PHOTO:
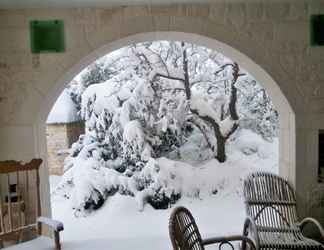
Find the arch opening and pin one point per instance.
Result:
(286, 114)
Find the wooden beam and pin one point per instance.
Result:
(15, 166)
(17, 230)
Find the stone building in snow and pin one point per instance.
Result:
(63, 128)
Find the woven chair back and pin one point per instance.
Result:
(270, 200)
(184, 233)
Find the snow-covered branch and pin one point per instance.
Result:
(146, 103)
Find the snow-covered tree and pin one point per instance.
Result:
(256, 109)
(145, 102)
(197, 72)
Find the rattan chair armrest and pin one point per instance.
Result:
(228, 239)
(213, 240)
(249, 224)
(313, 221)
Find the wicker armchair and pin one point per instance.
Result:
(272, 215)
(184, 233)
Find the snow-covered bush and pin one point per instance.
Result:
(250, 143)
(257, 111)
(123, 125)
(150, 106)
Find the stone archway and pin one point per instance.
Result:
(286, 113)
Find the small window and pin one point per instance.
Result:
(317, 30)
(321, 156)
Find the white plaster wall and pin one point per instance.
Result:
(271, 41)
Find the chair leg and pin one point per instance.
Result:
(57, 240)
(20, 237)
(245, 233)
(243, 245)
(1, 244)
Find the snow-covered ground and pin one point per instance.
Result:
(120, 225)
(151, 137)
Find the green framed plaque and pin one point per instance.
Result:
(47, 36)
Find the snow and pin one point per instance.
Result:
(133, 121)
(119, 224)
(143, 149)
(64, 110)
(102, 94)
(201, 104)
(226, 125)
(54, 224)
(133, 132)
(249, 143)
(45, 243)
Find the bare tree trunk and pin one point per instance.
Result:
(186, 73)
(221, 154)
(221, 139)
(233, 98)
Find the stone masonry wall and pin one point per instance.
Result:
(57, 145)
(60, 137)
(73, 131)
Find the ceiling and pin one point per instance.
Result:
(20, 4)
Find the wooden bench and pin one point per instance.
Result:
(23, 213)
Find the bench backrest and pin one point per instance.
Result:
(270, 200)
(19, 197)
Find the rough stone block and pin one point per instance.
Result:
(236, 15)
(187, 24)
(14, 39)
(294, 32)
(161, 23)
(217, 13)
(168, 10)
(298, 12)
(315, 7)
(15, 19)
(255, 11)
(17, 142)
(276, 10)
(137, 25)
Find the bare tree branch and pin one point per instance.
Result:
(161, 60)
(214, 125)
(233, 97)
(233, 129)
(222, 68)
(173, 89)
(185, 71)
(168, 77)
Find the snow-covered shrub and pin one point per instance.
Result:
(153, 101)
(195, 149)
(257, 111)
(115, 154)
(248, 142)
